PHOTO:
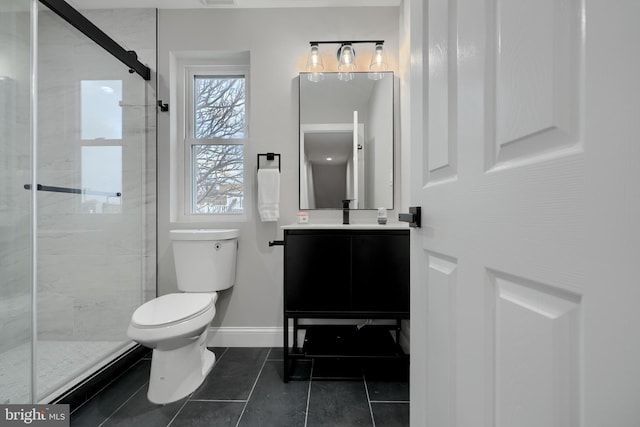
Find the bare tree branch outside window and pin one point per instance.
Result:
(218, 167)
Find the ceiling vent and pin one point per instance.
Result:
(219, 3)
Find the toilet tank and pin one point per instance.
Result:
(205, 259)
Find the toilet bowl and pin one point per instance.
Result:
(175, 325)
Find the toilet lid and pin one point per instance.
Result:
(172, 308)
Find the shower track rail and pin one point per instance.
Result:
(40, 187)
(89, 29)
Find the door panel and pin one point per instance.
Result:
(534, 80)
(441, 145)
(441, 299)
(537, 353)
(317, 272)
(380, 273)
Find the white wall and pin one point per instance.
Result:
(278, 41)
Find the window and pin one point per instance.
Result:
(101, 175)
(216, 131)
(101, 151)
(101, 113)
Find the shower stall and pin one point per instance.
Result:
(77, 194)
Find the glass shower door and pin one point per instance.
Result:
(77, 203)
(91, 150)
(15, 203)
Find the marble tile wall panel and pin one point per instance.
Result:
(93, 268)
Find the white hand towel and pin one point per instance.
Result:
(269, 194)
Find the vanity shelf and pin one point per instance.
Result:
(349, 341)
(345, 273)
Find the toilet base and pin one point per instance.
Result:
(177, 373)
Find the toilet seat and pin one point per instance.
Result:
(171, 309)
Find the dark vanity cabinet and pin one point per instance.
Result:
(345, 273)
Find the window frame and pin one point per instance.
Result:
(189, 140)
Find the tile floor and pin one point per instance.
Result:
(245, 388)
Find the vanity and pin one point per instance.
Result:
(346, 286)
(345, 272)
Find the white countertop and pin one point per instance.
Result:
(312, 226)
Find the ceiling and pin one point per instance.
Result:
(195, 4)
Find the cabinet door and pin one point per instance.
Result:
(381, 272)
(317, 272)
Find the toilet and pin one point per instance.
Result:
(175, 325)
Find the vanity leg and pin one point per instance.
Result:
(295, 334)
(285, 349)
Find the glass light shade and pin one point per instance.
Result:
(378, 59)
(314, 62)
(346, 58)
(345, 77)
(315, 77)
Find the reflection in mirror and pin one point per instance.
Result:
(346, 141)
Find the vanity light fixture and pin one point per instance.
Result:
(346, 56)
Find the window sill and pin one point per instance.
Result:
(211, 219)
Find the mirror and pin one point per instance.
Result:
(346, 140)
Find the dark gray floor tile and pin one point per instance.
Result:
(391, 369)
(138, 411)
(218, 351)
(233, 375)
(338, 404)
(387, 379)
(299, 369)
(337, 368)
(274, 403)
(391, 414)
(98, 409)
(276, 353)
(393, 391)
(208, 414)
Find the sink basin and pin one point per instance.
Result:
(311, 226)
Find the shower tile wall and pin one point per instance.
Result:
(89, 269)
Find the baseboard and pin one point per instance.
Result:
(267, 336)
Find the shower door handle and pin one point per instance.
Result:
(41, 187)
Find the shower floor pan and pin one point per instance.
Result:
(58, 362)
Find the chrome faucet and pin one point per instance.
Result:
(345, 211)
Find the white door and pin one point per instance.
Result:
(525, 143)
